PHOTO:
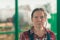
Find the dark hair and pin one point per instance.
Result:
(38, 9)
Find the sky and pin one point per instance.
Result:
(11, 3)
(7, 4)
(41, 2)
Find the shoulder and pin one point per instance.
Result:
(52, 35)
(24, 34)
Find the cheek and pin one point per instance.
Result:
(34, 20)
(43, 20)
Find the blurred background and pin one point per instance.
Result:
(7, 11)
(25, 8)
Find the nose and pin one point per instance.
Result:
(39, 19)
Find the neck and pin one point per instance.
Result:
(39, 31)
(39, 27)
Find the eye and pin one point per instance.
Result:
(41, 17)
(35, 17)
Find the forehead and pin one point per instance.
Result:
(38, 13)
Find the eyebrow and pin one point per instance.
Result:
(39, 16)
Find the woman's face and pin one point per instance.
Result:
(38, 18)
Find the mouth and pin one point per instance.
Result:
(39, 23)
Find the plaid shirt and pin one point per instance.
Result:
(25, 36)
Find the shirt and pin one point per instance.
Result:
(25, 35)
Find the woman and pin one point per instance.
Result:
(38, 31)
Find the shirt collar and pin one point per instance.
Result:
(32, 31)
